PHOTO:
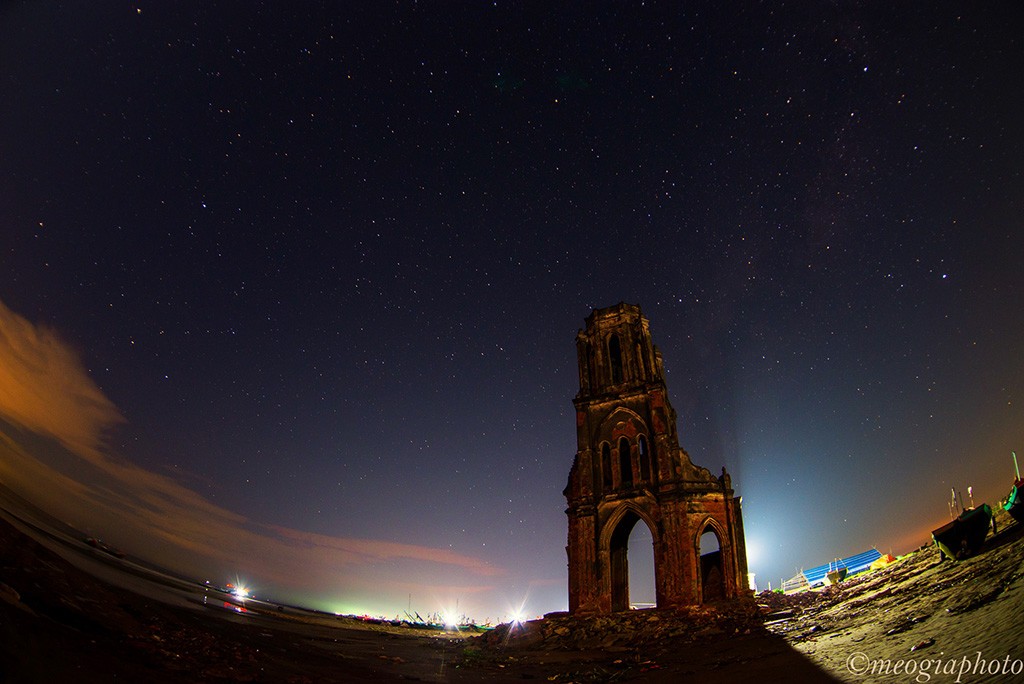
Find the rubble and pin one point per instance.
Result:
(629, 630)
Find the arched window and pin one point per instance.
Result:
(615, 358)
(606, 466)
(645, 460)
(625, 463)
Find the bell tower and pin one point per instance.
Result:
(629, 468)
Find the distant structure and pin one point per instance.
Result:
(822, 574)
(629, 468)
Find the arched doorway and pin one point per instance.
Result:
(712, 576)
(619, 554)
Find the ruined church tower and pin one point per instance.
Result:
(629, 468)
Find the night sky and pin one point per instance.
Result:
(289, 291)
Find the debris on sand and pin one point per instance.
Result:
(630, 629)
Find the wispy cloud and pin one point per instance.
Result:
(44, 388)
(361, 549)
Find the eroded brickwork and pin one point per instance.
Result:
(630, 468)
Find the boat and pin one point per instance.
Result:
(836, 572)
(836, 576)
(964, 535)
(1014, 503)
(105, 547)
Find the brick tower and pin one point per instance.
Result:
(630, 468)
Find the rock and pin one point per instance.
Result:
(922, 644)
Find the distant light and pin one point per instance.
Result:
(518, 613)
(753, 552)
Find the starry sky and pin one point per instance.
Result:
(289, 291)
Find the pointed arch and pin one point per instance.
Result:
(711, 565)
(620, 421)
(626, 508)
(706, 522)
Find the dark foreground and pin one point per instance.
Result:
(60, 623)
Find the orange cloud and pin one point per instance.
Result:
(44, 389)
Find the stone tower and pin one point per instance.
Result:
(630, 468)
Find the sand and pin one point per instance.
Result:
(103, 619)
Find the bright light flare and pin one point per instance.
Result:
(238, 589)
(518, 613)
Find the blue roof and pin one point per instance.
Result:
(853, 564)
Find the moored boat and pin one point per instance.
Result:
(835, 576)
(1014, 503)
(964, 535)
